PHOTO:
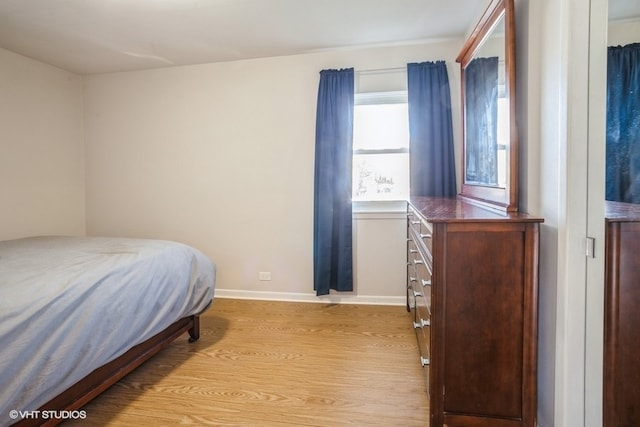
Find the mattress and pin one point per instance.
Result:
(71, 304)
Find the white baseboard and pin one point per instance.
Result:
(342, 298)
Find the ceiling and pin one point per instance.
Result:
(98, 36)
(624, 9)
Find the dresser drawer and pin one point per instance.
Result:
(412, 250)
(424, 344)
(423, 305)
(418, 251)
(413, 290)
(422, 327)
(419, 269)
(419, 229)
(422, 312)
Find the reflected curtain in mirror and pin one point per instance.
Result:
(623, 124)
(481, 127)
(432, 159)
(332, 230)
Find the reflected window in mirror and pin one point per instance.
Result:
(486, 113)
(489, 126)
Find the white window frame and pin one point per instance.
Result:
(380, 206)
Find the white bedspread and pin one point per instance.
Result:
(69, 305)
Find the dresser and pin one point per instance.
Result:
(622, 315)
(472, 287)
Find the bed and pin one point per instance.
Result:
(77, 314)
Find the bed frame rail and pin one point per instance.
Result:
(105, 376)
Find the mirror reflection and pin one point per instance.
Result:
(487, 112)
(623, 103)
(490, 137)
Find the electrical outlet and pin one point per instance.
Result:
(264, 275)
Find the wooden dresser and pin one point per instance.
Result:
(622, 315)
(472, 288)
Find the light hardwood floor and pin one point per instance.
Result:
(261, 363)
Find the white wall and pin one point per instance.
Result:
(539, 191)
(552, 94)
(380, 260)
(41, 166)
(220, 156)
(623, 32)
(558, 87)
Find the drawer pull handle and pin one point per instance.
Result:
(421, 324)
(417, 293)
(413, 251)
(415, 222)
(425, 236)
(424, 361)
(417, 261)
(412, 279)
(426, 282)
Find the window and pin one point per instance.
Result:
(503, 138)
(381, 146)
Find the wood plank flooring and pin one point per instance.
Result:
(265, 363)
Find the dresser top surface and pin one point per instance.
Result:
(439, 209)
(621, 212)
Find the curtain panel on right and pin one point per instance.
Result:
(623, 124)
(432, 159)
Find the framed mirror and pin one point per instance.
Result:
(490, 136)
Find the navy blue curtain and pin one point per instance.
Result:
(332, 230)
(623, 124)
(432, 159)
(481, 127)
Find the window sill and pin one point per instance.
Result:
(379, 209)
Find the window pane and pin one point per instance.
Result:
(381, 126)
(503, 140)
(381, 176)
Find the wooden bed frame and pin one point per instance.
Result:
(105, 376)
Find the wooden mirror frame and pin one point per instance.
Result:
(503, 199)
